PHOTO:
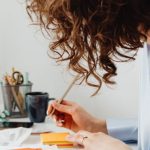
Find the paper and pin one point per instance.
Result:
(14, 137)
(47, 126)
(39, 147)
(58, 139)
(31, 147)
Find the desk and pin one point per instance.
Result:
(35, 139)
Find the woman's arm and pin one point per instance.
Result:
(70, 115)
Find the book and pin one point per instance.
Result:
(58, 139)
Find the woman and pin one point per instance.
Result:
(92, 35)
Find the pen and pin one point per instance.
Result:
(16, 98)
(66, 92)
(26, 79)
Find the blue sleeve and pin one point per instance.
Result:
(123, 129)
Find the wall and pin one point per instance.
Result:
(22, 46)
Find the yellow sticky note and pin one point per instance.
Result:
(55, 139)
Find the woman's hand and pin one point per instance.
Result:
(72, 116)
(94, 141)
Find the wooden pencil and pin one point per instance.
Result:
(66, 92)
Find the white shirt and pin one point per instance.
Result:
(130, 130)
(144, 104)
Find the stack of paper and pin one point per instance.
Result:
(58, 139)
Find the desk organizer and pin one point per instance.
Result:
(14, 99)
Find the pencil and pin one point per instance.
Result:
(66, 92)
(16, 98)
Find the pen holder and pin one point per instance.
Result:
(14, 99)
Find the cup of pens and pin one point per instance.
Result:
(14, 99)
(13, 91)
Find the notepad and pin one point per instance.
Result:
(56, 139)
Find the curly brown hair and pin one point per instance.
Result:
(93, 34)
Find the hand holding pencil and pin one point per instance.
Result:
(71, 115)
(51, 110)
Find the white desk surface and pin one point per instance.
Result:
(35, 139)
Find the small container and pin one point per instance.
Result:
(36, 104)
(14, 99)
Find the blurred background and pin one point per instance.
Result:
(23, 46)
